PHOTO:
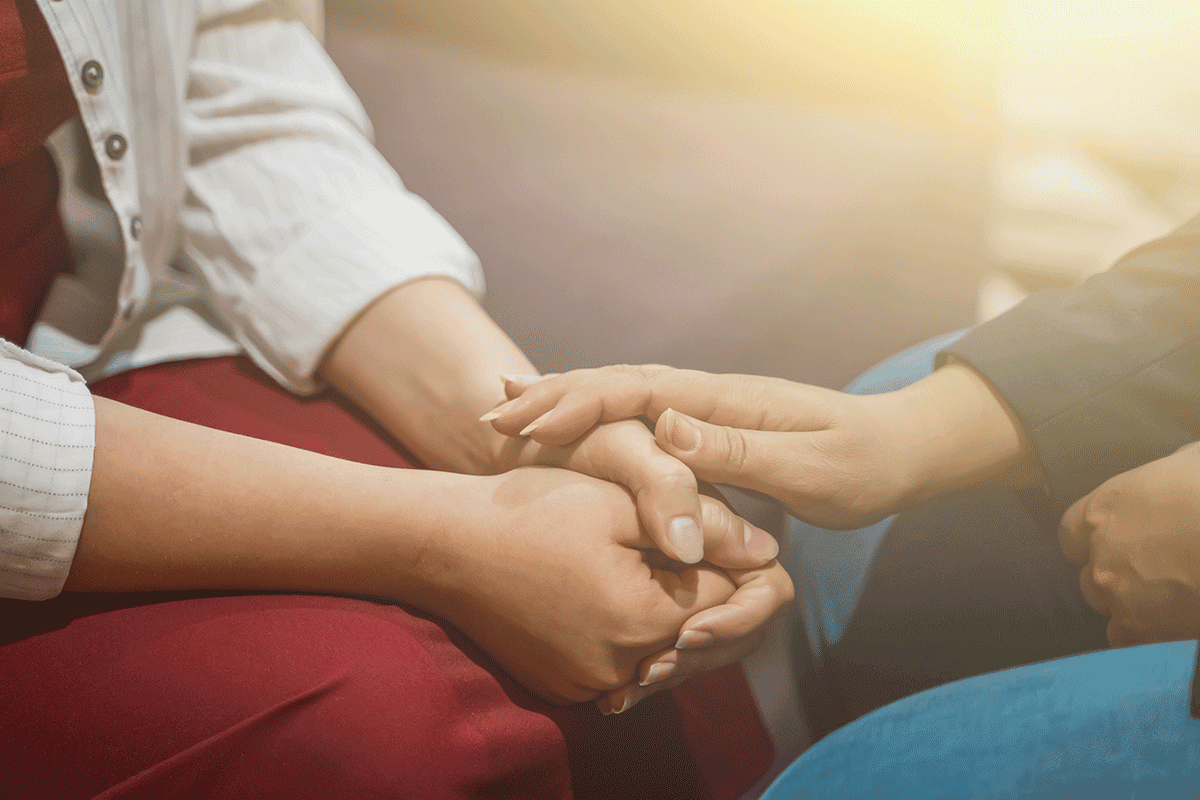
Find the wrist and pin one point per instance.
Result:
(423, 564)
(959, 434)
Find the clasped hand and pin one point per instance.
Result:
(551, 574)
(1137, 539)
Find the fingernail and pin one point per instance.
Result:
(533, 425)
(521, 380)
(689, 639)
(626, 704)
(658, 672)
(497, 411)
(687, 538)
(760, 545)
(680, 432)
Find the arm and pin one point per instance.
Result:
(1068, 389)
(1106, 376)
(307, 238)
(178, 506)
(834, 459)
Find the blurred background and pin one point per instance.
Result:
(774, 186)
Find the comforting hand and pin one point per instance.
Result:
(552, 575)
(665, 490)
(1137, 537)
(812, 449)
(834, 459)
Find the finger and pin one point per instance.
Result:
(1124, 631)
(760, 594)
(731, 542)
(751, 459)
(681, 523)
(664, 490)
(747, 401)
(1074, 532)
(685, 592)
(1095, 594)
(1158, 612)
(574, 415)
(673, 667)
(620, 393)
(514, 385)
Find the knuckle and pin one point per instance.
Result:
(718, 520)
(671, 474)
(737, 451)
(1096, 515)
(1103, 577)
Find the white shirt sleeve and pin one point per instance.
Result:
(47, 436)
(292, 217)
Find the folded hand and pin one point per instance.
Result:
(555, 579)
(1137, 538)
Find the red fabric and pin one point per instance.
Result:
(149, 696)
(35, 98)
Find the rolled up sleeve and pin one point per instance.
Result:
(47, 438)
(292, 217)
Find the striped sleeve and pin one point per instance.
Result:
(293, 218)
(47, 436)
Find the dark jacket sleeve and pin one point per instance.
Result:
(1105, 376)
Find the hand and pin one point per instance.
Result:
(550, 573)
(1137, 537)
(834, 459)
(670, 510)
(664, 489)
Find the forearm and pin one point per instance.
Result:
(959, 435)
(425, 362)
(178, 506)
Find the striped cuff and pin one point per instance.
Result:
(47, 437)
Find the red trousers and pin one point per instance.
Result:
(284, 696)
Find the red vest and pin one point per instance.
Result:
(35, 98)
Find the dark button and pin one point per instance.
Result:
(127, 312)
(116, 146)
(92, 74)
(135, 227)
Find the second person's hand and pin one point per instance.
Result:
(833, 459)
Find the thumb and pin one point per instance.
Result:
(720, 454)
(1074, 533)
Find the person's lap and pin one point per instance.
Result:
(1111, 724)
(306, 696)
(957, 587)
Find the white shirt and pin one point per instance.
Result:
(221, 195)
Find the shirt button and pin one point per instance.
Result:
(115, 146)
(92, 75)
(135, 227)
(127, 312)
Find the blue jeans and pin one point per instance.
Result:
(1103, 725)
(833, 565)
(959, 588)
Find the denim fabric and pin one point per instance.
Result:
(1111, 724)
(832, 566)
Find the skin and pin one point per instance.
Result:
(179, 506)
(836, 460)
(1136, 538)
(843, 461)
(174, 506)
